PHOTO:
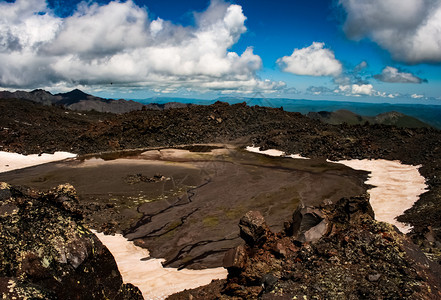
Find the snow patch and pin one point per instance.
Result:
(148, 274)
(13, 161)
(273, 152)
(396, 187)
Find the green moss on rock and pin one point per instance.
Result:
(47, 253)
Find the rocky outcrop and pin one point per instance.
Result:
(309, 224)
(253, 228)
(46, 252)
(336, 251)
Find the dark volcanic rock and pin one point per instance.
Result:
(253, 228)
(46, 253)
(309, 224)
(211, 291)
(358, 258)
(235, 258)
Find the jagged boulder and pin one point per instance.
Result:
(47, 253)
(253, 229)
(309, 224)
(235, 258)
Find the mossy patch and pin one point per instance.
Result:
(171, 229)
(211, 221)
(235, 212)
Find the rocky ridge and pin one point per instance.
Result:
(47, 253)
(78, 100)
(345, 116)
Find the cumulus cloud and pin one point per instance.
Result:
(410, 29)
(314, 60)
(357, 89)
(353, 82)
(391, 74)
(362, 89)
(117, 43)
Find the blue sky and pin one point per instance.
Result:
(370, 51)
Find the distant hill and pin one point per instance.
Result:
(39, 96)
(389, 118)
(78, 100)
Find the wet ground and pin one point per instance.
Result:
(184, 204)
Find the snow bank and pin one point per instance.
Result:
(273, 152)
(12, 161)
(148, 274)
(396, 187)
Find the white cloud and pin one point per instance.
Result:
(96, 30)
(156, 26)
(391, 74)
(409, 29)
(117, 43)
(416, 96)
(362, 89)
(313, 60)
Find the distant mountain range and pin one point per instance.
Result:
(428, 114)
(78, 100)
(332, 112)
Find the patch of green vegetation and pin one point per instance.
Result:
(170, 162)
(235, 212)
(174, 225)
(187, 259)
(211, 221)
(172, 228)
